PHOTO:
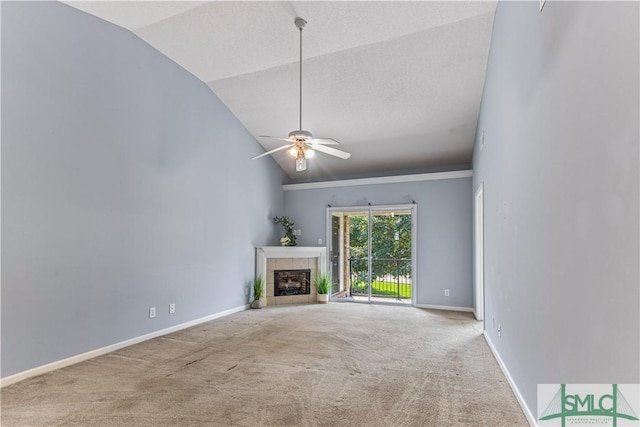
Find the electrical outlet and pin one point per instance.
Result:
(319, 241)
(482, 140)
(152, 312)
(172, 308)
(493, 322)
(446, 292)
(499, 331)
(246, 290)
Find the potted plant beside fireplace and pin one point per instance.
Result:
(323, 285)
(258, 288)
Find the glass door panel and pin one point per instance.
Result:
(390, 256)
(358, 248)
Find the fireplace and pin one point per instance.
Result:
(291, 282)
(270, 259)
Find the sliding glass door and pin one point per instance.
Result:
(378, 247)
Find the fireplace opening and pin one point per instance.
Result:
(291, 282)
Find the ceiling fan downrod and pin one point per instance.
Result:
(300, 23)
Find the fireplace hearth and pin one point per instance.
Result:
(291, 282)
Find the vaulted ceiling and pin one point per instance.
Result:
(398, 84)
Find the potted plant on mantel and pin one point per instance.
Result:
(323, 285)
(258, 288)
(289, 238)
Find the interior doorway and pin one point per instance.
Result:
(373, 254)
(478, 238)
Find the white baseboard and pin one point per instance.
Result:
(527, 412)
(39, 370)
(445, 307)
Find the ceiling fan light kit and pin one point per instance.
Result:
(293, 152)
(302, 145)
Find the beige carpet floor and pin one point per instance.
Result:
(338, 364)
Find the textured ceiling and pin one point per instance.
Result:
(397, 83)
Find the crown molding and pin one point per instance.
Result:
(380, 180)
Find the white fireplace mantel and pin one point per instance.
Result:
(266, 252)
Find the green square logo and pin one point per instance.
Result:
(616, 405)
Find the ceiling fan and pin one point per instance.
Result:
(302, 145)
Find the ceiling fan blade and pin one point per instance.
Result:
(332, 151)
(275, 137)
(272, 151)
(323, 141)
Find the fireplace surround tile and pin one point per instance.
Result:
(288, 299)
(300, 263)
(284, 263)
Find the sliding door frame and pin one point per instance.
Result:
(370, 209)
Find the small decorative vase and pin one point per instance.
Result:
(256, 304)
(323, 298)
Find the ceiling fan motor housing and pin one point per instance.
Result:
(300, 135)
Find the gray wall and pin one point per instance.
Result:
(126, 184)
(560, 172)
(444, 229)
